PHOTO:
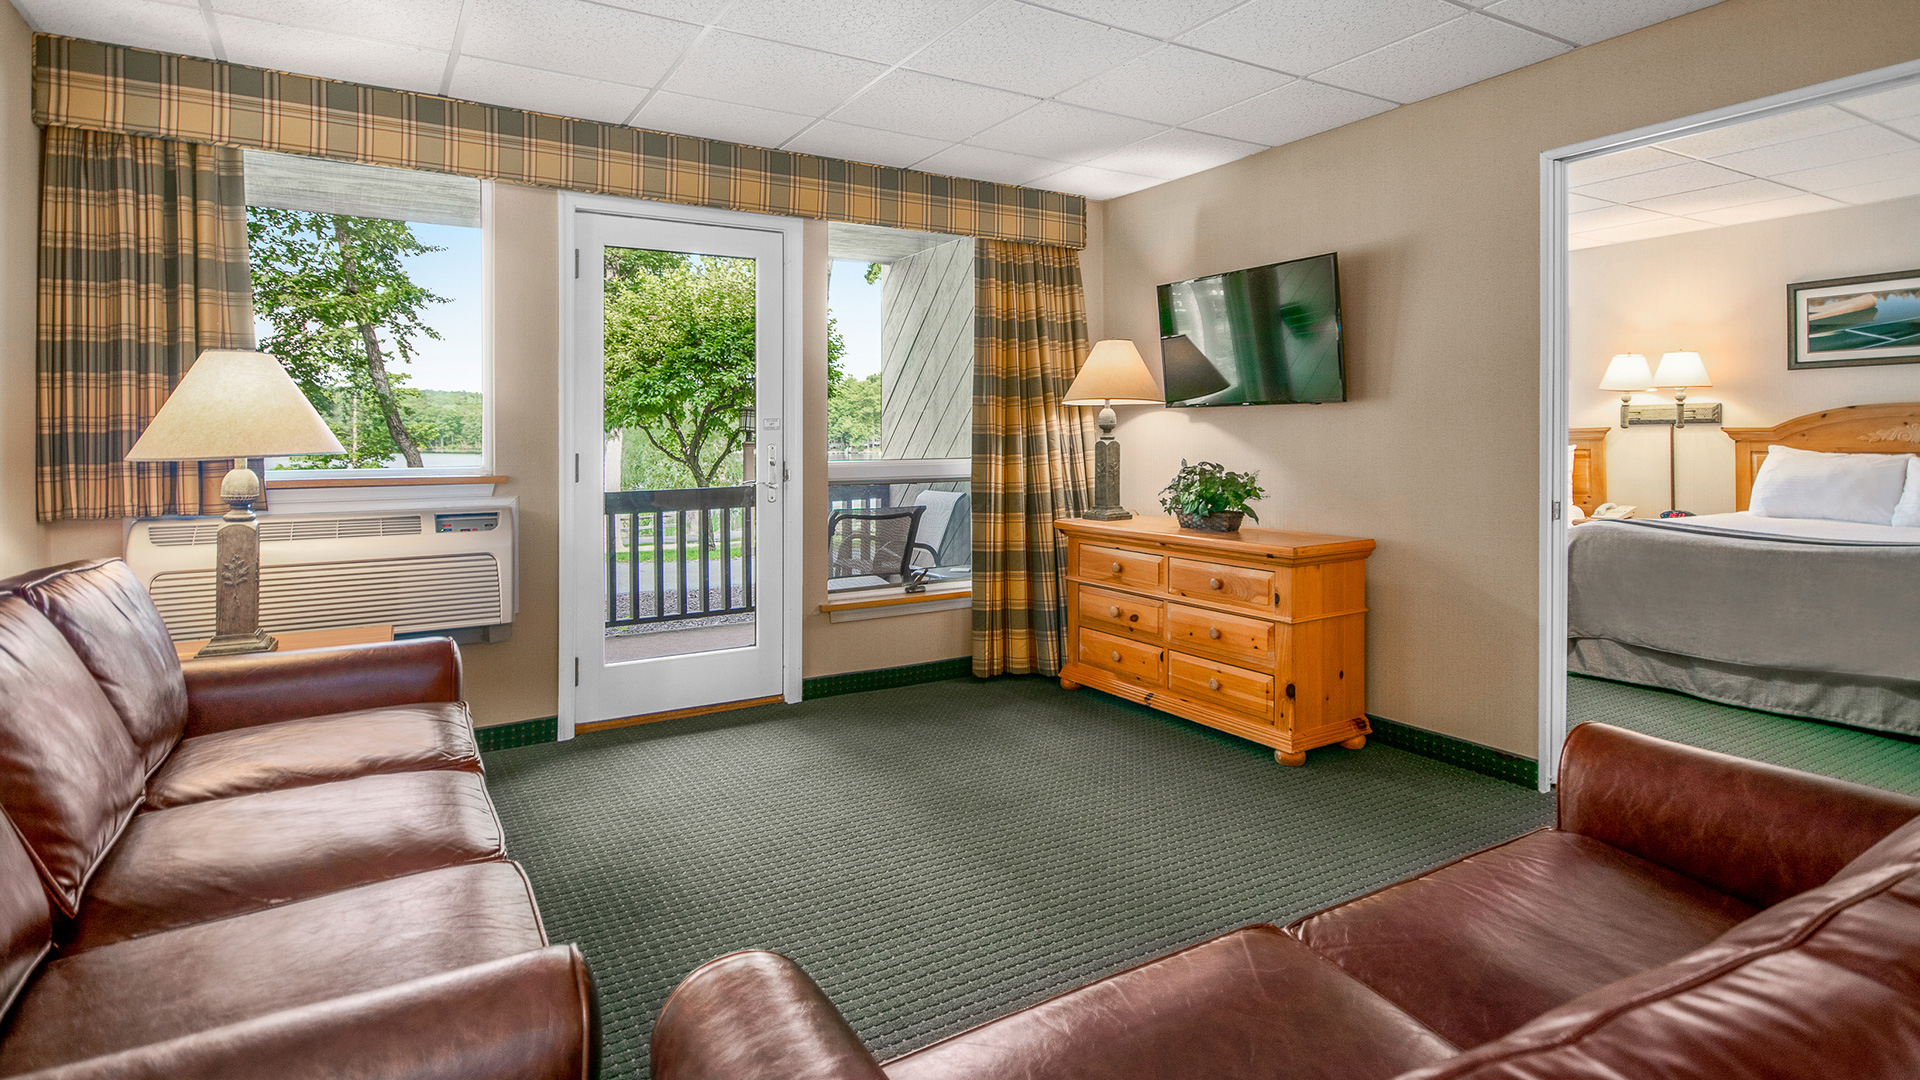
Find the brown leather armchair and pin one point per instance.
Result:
(1690, 915)
(280, 865)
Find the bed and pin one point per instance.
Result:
(1799, 616)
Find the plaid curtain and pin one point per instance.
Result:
(143, 263)
(1031, 455)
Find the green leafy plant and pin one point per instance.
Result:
(1208, 488)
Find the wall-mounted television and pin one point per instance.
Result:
(1267, 335)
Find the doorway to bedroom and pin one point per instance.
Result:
(1714, 288)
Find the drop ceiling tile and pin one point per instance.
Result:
(1854, 173)
(576, 38)
(723, 120)
(886, 32)
(1303, 38)
(1881, 191)
(494, 83)
(1763, 132)
(1647, 230)
(768, 74)
(1581, 203)
(1766, 211)
(1624, 163)
(1848, 144)
(1585, 21)
(1155, 18)
(1909, 125)
(980, 163)
(1172, 85)
(1719, 198)
(331, 56)
(169, 28)
(928, 105)
(1028, 50)
(1294, 111)
(1064, 132)
(699, 12)
(1173, 154)
(1094, 183)
(1447, 57)
(427, 24)
(871, 145)
(1608, 217)
(1895, 104)
(1688, 176)
(1577, 243)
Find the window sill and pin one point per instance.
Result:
(280, 483)
(886, 603)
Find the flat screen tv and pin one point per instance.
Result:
(1267, 335)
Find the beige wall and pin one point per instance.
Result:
(1433, 209)
(1722, 293)
(21, 541)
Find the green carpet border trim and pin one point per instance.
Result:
(546, 729)
(854, 682)
(1485, 760)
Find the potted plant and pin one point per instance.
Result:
(1206, 496)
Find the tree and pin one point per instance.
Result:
(853, 413)
(344, 311)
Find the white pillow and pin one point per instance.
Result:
(1834, 487)
(1907, 513)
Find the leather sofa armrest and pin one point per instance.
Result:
(1755, 831)
(755, 1016)
(230, 692)
(528, 1017)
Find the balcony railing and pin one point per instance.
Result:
(678, 555)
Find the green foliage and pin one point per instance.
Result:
(446, 421)
(853, 412)
(1208, 488)
(873, 272)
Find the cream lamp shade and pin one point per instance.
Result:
(1628, 373)
(1114, 374)
(1681, 369)
(234, 403)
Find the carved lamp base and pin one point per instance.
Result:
(236, 619)
(1106, 474)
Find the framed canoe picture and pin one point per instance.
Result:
(1853, 322)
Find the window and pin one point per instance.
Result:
(367, 286)
(899, 409)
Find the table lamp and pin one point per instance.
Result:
(237, 404)
(1114, 374)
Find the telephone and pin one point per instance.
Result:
(1612, 510)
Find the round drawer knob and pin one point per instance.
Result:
(1213, 684)
(1114, 611)
(1213, 583)
(1116, 568)
(1213, 632)
(1116, 658)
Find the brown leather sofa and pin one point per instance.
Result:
(279, 865)
(1691, 915)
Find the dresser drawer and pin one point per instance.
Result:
(1222, 684)
(1119, 566)
(1120, 613)
(1221, 583)
(1140, 660)
(1217, 631)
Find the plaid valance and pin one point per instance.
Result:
(84, 84)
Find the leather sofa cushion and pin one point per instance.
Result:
(69, 775)
(110, 621)
(1250, 1004)
(26, 920)
(1481, 945)
(292, 753)
(211, 860)
(201, 977)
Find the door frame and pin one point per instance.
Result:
(1556, 358)
(792, 533)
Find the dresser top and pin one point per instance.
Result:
(1165, 531)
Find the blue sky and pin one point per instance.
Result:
(856, 306)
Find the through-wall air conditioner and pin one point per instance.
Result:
(442, 568)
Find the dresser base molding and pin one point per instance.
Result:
(1290, 748)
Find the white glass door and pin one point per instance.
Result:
(676, 567)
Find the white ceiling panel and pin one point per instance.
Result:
(543, 91)
(700, 12)
(1173, 85)
(1625, 163)
(1584, 22)
(291, 48)
(1854, 173)
(1294, 111)
(1908, 126)
(1608, 217)
(1449, 56)
(769, 75)
(1173, 154)
(1718, 198)
(1688, 176)
(1303, 38)
(1065, 132)
(1577, 203)
(1898, 188)
(1847, 144)
(1765, 211)
(1786, 127)
(1154, 18)
(916, 103)
(666, 111)
(981, 163)
(1028, 50)
(829, 138)
(576, 38)
(1647, 230)
(1893, 104)
(167, 27)
(427, 24)
(887, 32)
(1096, 183)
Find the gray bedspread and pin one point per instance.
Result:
(1647, 597)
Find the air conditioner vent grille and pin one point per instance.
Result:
(184, 533)
(410, 594)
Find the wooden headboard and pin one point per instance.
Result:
(1857, 429)
(1589, 466)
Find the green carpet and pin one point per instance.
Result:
(1885, 761)
(937, 855)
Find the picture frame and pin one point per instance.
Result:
(1854, 321)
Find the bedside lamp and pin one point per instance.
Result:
(1114, 374)
(1627, 374)
(1680, 371)
(235, 404)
